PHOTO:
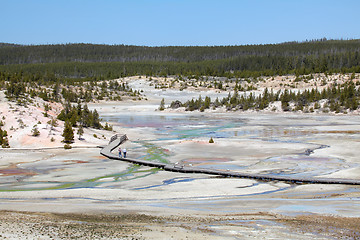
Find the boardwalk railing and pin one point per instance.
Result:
(118, 139)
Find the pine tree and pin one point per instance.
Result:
(80, 131)
(285, 99)
(207, 102)
(68, 133)
(35, 131)
(86, 117)
(95, 120)
(4, 142)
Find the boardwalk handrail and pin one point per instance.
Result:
(118, 139)
(116, 136)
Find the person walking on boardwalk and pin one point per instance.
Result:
(124, 151)
(120, 152)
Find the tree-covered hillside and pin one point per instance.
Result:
(24, 54)
(109, 61)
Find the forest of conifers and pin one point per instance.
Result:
(67, 73)
(113, 61)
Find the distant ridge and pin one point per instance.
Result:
(85, 52)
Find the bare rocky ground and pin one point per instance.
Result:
(33, 225)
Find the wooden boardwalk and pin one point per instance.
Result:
(117, 140)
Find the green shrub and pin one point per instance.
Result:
(35, 131)
(67, 146)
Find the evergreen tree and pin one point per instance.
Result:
(86, 117)
(95, 123)
(35, 131)
(4, 142)
(68, 133)
(80, 131)
(207, 102)
(285, 99)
